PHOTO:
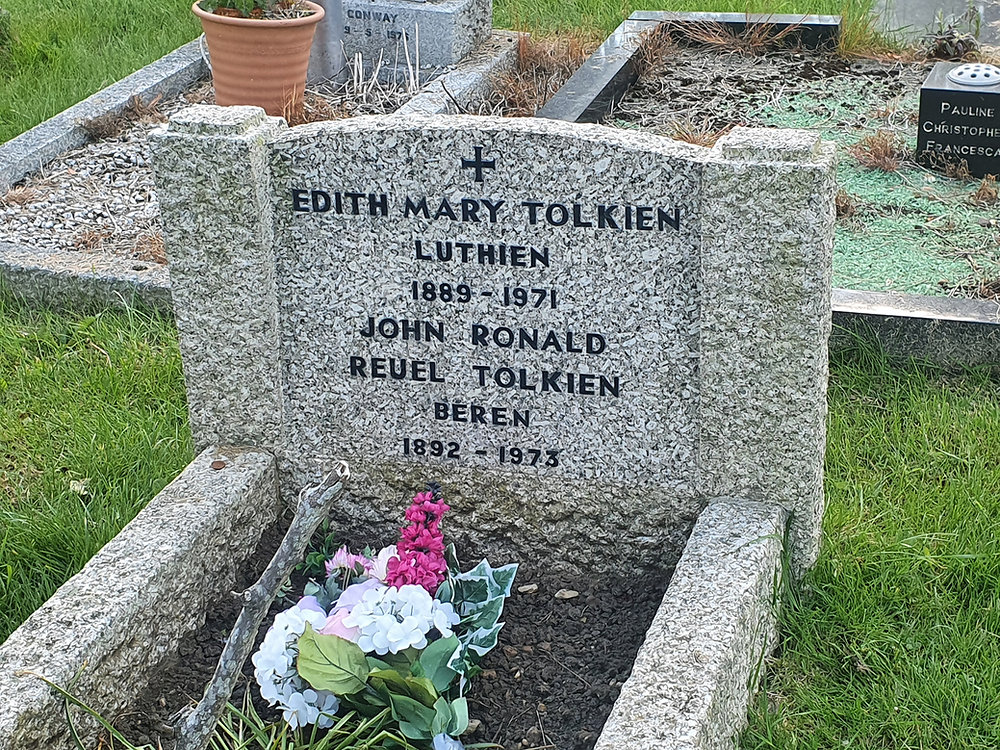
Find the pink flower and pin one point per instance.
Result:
(335, 626)
(344, 560)
(420, 558)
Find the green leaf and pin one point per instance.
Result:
(460, 714)
(406, 709)
(413, 731)
(451, 557)
(487, 614)
(445, 592)
(329, 662)
(417, 669)
(470, 594)
(392, 679)
(421, 689)
(442, 717)
(435, 662)
(312, 588)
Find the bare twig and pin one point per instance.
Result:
(314, 506)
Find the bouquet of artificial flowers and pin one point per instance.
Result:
(403, 629)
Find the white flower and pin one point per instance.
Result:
(393, 620)
(381, 562)
(280, 683)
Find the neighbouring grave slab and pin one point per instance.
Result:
(586, 334)
(960, 120)
(435, 33)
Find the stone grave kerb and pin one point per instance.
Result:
(266, 297)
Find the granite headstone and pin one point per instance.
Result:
(585, 334)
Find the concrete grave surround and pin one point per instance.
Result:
(116, 621)
(711, 380)
(447, 30)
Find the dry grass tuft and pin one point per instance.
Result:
(19, 196)
(754, 39)
(847, 205)
(90, 240)
(655, 46)
(150, 247)
(113, 124)
(697, 134)
(316, 108)
(882, 150)
(986, 193)
(543, 65)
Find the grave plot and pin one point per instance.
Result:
(608, 347)
(902, 227)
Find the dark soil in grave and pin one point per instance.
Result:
(550, 683)
(909, 228)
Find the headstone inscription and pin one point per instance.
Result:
(434, 33)
(586, 334)
(960, 118)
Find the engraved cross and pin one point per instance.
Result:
(479, 164)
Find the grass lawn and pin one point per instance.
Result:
(894, 641)
(92, 424)
(63, 51)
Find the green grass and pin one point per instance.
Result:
(894, 640)
(605, 15)
(92, 424)
(63, 51)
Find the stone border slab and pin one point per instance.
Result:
(944, 331)
(693, 676)
(131, 605)
(459, 88)
(610, 72)
(79, 281)
(35, 148)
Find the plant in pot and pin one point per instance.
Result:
(259, 50)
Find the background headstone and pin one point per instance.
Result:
(326, 61)
(958, 122)
(585, 334)
(434, 34)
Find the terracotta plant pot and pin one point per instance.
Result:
(261, 62)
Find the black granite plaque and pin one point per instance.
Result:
(959, 123)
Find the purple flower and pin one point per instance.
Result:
(353, 593)
(311, 603)
(344, 560)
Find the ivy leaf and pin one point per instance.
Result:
(483, 640)
(503, 577)
(445, 592)
(487, 614)
(329, 662)
(451, 557)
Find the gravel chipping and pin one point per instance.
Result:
(100, 198)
